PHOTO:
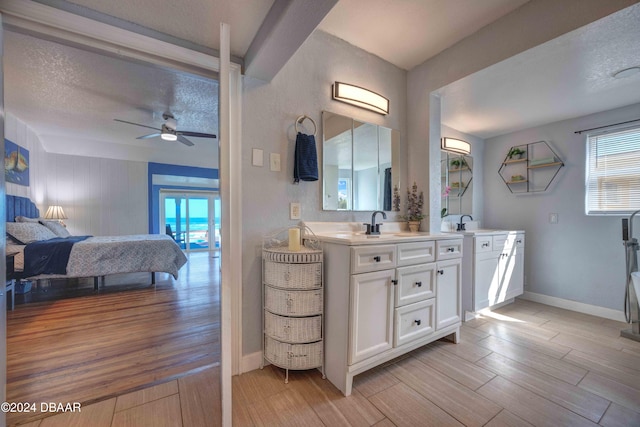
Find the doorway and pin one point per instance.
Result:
(192, 218)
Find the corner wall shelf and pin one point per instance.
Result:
(531, 169)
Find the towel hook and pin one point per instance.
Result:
(300, 119)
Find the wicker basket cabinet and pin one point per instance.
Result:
(293, 308)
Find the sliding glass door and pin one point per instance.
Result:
(192, 218)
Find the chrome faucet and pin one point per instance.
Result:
(462, 224)
(373, 228)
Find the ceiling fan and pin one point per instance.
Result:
(168, 131)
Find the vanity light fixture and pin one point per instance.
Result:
(360, 97)
(455, 145)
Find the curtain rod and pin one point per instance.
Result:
(608, 126)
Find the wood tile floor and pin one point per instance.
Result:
(189, 401)
(524, 364)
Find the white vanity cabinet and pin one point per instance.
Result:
(494, 273)
(385, 299)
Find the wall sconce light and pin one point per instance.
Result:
(55, 212)
(360, 97)
(455, 145)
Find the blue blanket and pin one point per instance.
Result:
(49, 256)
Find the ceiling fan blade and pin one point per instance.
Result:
(135, 124)
(196, 134)
(184, 140)
(151, 135)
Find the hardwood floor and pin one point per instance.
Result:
(524, 364)
(97, 346)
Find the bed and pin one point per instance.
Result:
(91, 257)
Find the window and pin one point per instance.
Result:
(613, 172)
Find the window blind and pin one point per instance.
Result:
(613, 173)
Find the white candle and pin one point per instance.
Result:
(294, 239)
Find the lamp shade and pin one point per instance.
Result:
(55, 212)
(361, 97)
(455, 145)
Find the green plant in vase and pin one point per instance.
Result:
(516, 153)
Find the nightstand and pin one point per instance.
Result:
(11, 281)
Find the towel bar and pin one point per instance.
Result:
(300, 119)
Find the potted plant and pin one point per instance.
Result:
(458, 163)
(415, 203)
(516, 153)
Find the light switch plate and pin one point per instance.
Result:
(294, 210)
(553, 218)
(257, 157)
(274, 162)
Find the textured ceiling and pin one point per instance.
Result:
(67, 95)
(407, 33)
(197, 21)
(570, 76)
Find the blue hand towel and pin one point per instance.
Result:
(306, 159)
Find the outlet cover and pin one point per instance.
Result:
(294, 210)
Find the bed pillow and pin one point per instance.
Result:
(27, 232)
(58, 229)
(25, 219)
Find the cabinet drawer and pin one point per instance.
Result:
(416, 253)
(293, 276)
(483, 244)
(448, 249)
(413, 321)
(415, 283)
(508, 241)
(293, 303)
(293, 329)
(372, 258)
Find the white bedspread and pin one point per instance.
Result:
(104, 255)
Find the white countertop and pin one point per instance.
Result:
(347, 233)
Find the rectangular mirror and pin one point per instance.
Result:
(457, 180)
(360, 164)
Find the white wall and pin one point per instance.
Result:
(303, 86)
(536, 22)
(100, 196)
(581, 258)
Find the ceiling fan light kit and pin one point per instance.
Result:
(168, 134)
(169, 131)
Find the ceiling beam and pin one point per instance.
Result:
(285, 28)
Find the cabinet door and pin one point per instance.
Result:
(371, 314)
(448, 301)
(514, 273)
(485, 279)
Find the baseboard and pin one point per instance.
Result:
(250, 362)
(580, 307)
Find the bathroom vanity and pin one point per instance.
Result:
(386, 295)
(493, 270)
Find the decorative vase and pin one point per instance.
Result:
(414, 226)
